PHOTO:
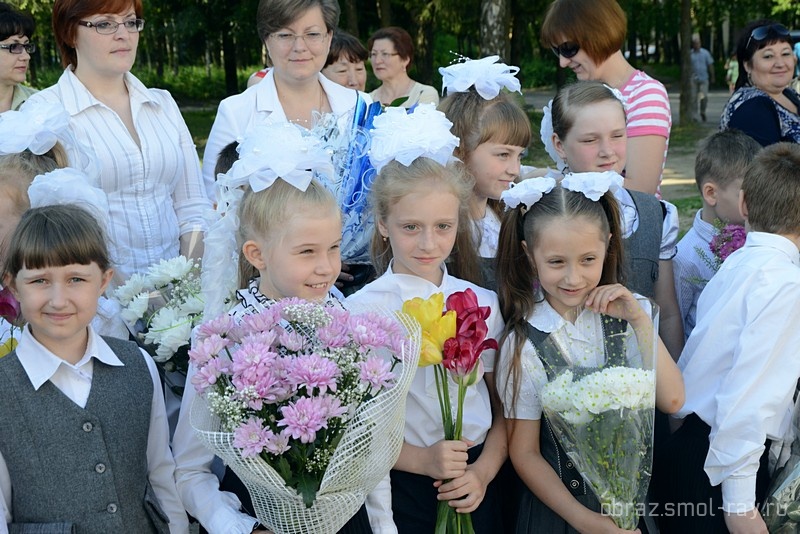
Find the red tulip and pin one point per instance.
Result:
(9, 307)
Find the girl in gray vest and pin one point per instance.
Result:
(84, 446)
(584, 130)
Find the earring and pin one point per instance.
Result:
(385, 238)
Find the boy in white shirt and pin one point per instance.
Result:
(740, 363)
(719, 168)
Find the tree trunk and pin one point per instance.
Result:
(385, 12)
(494, 28)
(424, 44)
(229, 62)
(352, 17)
(686, 63)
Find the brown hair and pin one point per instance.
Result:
(227, 157)
(575, 96)
(264, 212)
(54, 236)
(17, 171)
(13, 22)
(274, 15)
(723, 157)
(400, 38)
(67, 14)
(597, 26)
(396, 181)
(345, 45)
(515, 267)
(771, 188)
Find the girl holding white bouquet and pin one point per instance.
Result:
(288, 229)
(420, 202)
(565, 238)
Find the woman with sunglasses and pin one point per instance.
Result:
(587, 36)
(135, 143)
(391, 52)
(16, 48)
(764, 106)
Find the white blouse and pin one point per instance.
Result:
(155, 191)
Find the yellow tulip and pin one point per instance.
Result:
(429, 353)
(444, 328)
(425, 311)
(11, 344)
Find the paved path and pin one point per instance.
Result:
(678, 181)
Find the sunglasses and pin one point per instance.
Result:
(566, 49)
(762, 32)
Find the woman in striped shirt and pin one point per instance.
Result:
(587, 36)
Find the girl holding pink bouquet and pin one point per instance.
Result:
(420, 202)
(494, 134)
(288, 228)
(566, 239)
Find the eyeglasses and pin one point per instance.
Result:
(566, 49)
(287, 40)
(383, 55)
(762, 32)
(17, 48)
(107, 27)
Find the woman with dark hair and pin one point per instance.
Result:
(345, 64)
(16, 30)
(143, 156)
(587, 36)
(764, 106)
(391, 53)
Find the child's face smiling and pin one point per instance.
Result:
(422, 228)
(59, 303)
(495, 166)
(597, 141)
(303, 260)
(568, 258)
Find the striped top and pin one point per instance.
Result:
(155, 192)
(648, 108)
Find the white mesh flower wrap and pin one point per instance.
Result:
(266, 153)
(35, 127)
(401, 136)
(367, 451)
(527, 192)
(593, 185)
(486, 74)
(69, 187)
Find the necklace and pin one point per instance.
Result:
(304, 117)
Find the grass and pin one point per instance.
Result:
(199, 121)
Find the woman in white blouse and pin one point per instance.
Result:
(142, 154)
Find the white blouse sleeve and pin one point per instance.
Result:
(669, 232)
(526, 404)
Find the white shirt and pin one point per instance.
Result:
(486, 234)
(155, 192)
(75, 381)
(740, 365)
(581, 343)
(258, 105)
(691, 271)
(423, 417)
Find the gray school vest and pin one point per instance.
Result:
(643, 246)
(84, 466)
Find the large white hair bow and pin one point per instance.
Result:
(527, 192)
(401, 136)
(70, 187)
(593, 185)
(486, 74)
(35, 127)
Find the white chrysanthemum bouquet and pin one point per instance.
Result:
(161, 307)
(603, 418)
(306, 402)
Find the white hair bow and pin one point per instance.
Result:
(593, 185)
(35, 127)
(486, 74)
(527, 192)
(401, 136)
(70, 187)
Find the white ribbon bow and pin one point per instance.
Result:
(35, 127)
(527, 192)
(486, 74)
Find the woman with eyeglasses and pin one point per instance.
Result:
(391, 53)
(587, 36)
(297, 35)
(142, 153)
(16, 48)
(764, 106)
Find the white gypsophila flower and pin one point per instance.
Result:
(135, 285)
(135, 308)
(527, 192)
(165, 271)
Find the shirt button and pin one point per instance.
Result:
(574, 484)
(111, 508)
(570, 465)
(87, 426)
(100, 468)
